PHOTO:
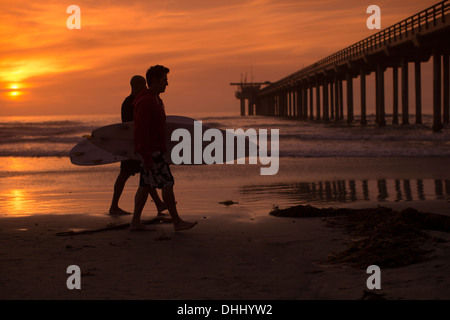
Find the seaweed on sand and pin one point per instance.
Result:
(381, 236)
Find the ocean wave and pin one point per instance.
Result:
(42, 140)
(34, 153)
(22, 133)
(364, 137)
(364, 154)
(55, 138)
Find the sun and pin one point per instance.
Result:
(13, 91)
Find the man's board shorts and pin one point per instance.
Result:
(130, 166)
(160, 175)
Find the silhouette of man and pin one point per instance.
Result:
(150, 145)
(129, 168)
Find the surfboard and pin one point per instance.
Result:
(86, 153)
(194, 142)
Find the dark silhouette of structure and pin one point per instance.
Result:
(248, 91)
(413, 40)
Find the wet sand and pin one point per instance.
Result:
(235, 252)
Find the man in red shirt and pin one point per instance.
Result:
(150, 146)
(130, 167)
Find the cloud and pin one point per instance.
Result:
(206, 43)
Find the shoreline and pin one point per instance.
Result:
(54, 186)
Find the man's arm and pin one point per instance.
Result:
(142, 133)
(127, 109)
(149, 124)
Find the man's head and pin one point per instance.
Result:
(157, 78)
(137, 84)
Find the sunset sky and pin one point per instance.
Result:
(46, 69)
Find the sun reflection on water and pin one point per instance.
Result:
(16, 203)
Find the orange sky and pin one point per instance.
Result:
(45, 68)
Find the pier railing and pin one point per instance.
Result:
(405, 28)
(397, 32)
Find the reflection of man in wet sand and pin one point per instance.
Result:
(150, 145)
(129, 168)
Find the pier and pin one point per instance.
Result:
(249, 91)
(414, 40)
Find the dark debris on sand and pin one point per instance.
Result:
(382, 236)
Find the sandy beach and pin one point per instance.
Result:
(245, 258)
(218, 260)
(235, 252)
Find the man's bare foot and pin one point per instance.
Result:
(162, 207)
(139, 227)
(184, 225)
(162, 215)
(118, 212)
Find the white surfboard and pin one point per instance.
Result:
(118, 139)
(86, 153)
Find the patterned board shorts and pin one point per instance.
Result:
(160, 175)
